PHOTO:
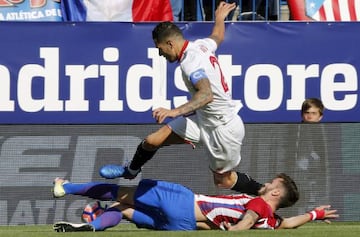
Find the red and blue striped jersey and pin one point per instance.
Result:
(231, 209)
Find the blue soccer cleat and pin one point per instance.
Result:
(116, 171)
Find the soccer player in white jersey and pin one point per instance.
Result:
(209, 117)
(162, 205)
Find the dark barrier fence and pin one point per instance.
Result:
(247, 10)
(322, 158)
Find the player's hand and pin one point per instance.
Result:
(324, 212)
(223, 9)
(227, 226)
(160, 114)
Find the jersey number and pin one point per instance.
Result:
(214, 61)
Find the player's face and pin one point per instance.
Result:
(312, 115)
(166, 50)
(268, 187)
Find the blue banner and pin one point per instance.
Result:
(103, 73)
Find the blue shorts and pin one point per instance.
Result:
(162, 205)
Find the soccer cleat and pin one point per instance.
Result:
(58, 189)
(63, 226)
(117, 171)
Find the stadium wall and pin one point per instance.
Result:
(75, 96)
(322, 158)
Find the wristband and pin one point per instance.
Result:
(317, 214)
(312, 215)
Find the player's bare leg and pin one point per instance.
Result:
(126, 195)
(225, 180)
(144, 152)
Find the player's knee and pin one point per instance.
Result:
(157, 139)
(223, 180)
(151, 143)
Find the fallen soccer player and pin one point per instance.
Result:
(162, 205)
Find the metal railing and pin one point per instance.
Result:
(247, 10)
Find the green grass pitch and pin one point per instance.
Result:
(335, 229)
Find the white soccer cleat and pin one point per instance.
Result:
(58, 189)
(63, 226)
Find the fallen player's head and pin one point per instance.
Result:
(291, 194)
(283, 189)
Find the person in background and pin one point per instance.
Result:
(312, 110)
(310, 166)
(190, 9)
(176, 6)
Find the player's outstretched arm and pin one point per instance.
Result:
(320, 213)
(221, 13)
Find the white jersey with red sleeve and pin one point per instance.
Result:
(216, 125)
(198, 61)
(231, 209)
